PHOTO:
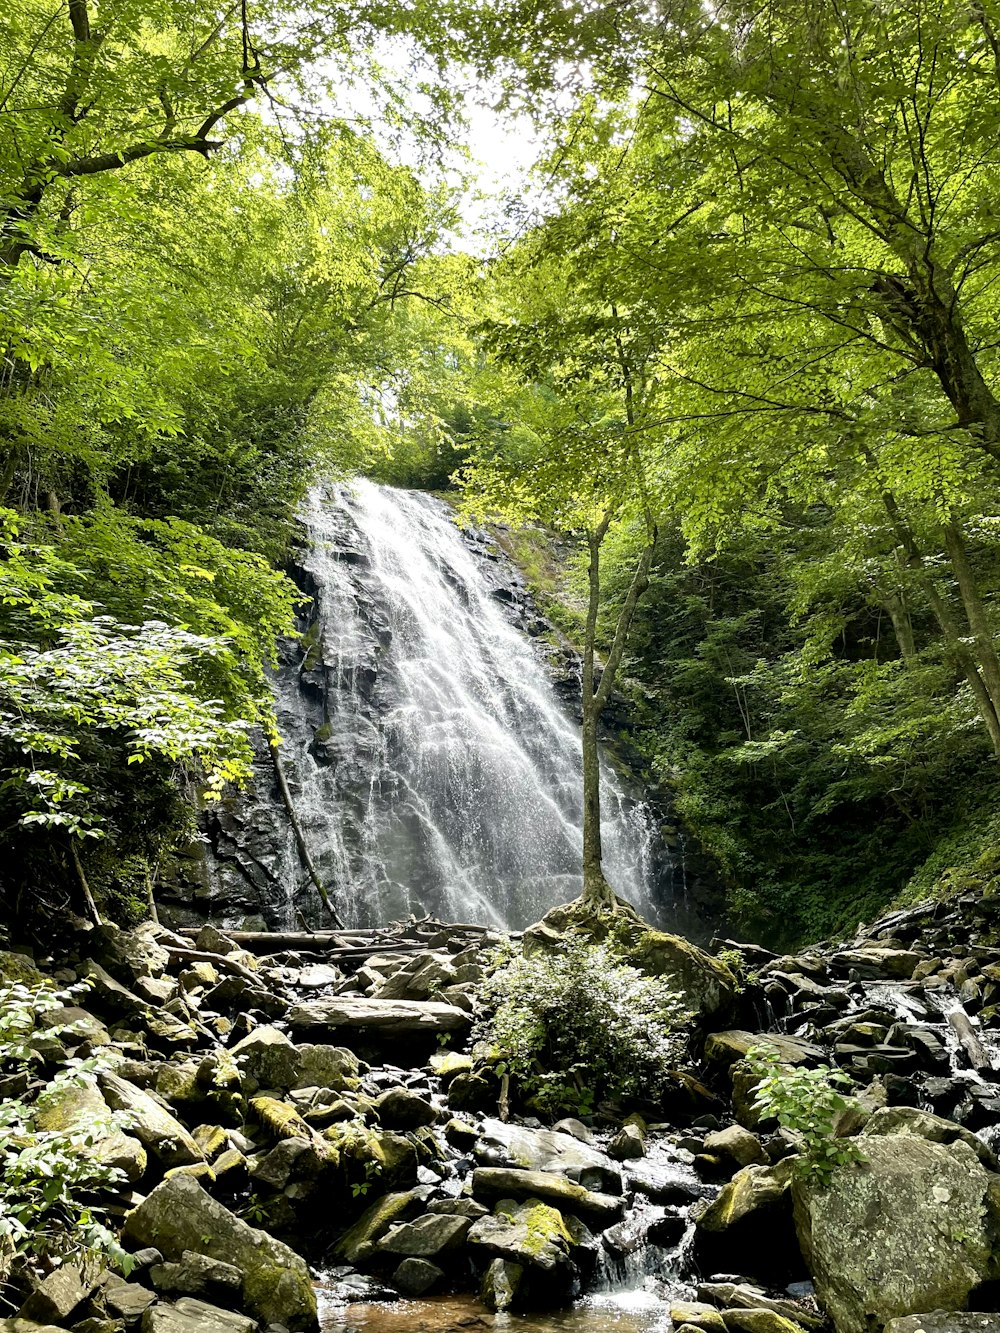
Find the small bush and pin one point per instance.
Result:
(576, 1027)
(806, 1102)
(50, 1181)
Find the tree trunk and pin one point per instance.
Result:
(300, 841)
(902, 626)
(957, 650)
(975, 611)
(596, 889)
(597, 892)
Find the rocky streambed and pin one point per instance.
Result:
(305, 1138)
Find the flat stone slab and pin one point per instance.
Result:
(509, 1183)
(391, 1018)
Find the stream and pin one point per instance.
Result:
(636, 1311)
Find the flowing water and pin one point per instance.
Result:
(439, 772)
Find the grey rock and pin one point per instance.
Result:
(738, 1144)
(179, 1216)
(399, 1108)
(530, 1233)
(197, 1275)
(932, 1256)
(627, 1144)
(192, 1316)
(128, 1300)
(357, 1244)
(502, 1182)
(390, 1018)
(501, 1283)
(154, 1127)
(267, 1059)
(427, 1237)
(55, 1299)
(416, 1276)
(79, 1107)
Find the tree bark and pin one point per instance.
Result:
(88, 897)
(597, 892)
(975, 611)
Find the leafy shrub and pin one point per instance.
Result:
(50, 1180)
(806, 1102)
(575, 1027)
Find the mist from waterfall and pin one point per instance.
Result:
(445, 776)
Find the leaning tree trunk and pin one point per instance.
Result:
(300, 839)
(597, 892)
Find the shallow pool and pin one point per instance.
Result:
(617, 1312)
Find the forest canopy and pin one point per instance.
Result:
(740, 333)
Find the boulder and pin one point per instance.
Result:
(933, 1128)
(344, 1014)
(758, 1321)
(697, 1315)
(18, 969)
(358, 1243)
(130, 954)
(85, 1027)
(732, 1045)
(903, 1231)
(529, 1233)
(704, 984)
(427, 1237)
(27, 1326)
(502, 1183)
(628, 1144)
(55, 1298)
(501, 1282)
(448, 1064)
(155, 1128)
(751, 1217)
(751, 1190)
(179, 1216)
(877, 964)
(416, 1276)
(399, 1108)
(267, 1059)
(334, 1068)
(547, 1150)
(736, 1143)
(192, 1316)
(127, 1300)
(80, 1109)
(212, 940)
(198, 1275)
(741, 1296)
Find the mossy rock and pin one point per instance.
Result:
(357, 1244)
(75, 1109)
(705, 985)
(17, 969)
(179, 1215)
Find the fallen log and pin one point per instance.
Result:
(348, 942)
(975, 1051)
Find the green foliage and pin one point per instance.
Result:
(51, 1182)
(82, 690)
(806, 1102)
(576, 1027)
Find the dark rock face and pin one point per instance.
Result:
(431, 748)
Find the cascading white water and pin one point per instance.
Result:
(445, 775)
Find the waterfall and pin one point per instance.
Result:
(433, 765)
